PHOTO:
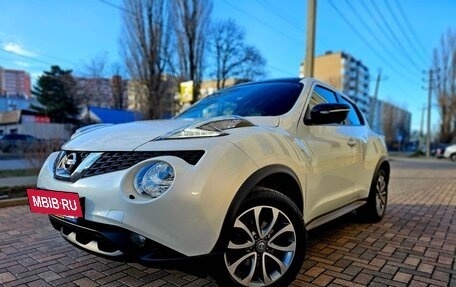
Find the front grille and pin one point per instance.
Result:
(115, 161)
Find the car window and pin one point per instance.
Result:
(328, 95)
(320, 95)
(354, 117)
(260, 99)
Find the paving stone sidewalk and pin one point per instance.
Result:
(414, 245)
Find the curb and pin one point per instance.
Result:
(13, 202)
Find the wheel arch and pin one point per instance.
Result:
(452, 156)
(278, 177)
(384, 164)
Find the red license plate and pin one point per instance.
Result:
(54, 202)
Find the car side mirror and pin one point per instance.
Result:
(328, 113)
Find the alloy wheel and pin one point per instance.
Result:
(262, 246)
(381, 194)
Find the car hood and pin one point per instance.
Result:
(129, 136)
(123, 137)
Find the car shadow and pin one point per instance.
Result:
(206, 267)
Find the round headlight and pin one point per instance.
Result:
(154, 179)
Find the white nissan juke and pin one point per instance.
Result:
(242, 175)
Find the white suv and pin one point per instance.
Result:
(242, 175)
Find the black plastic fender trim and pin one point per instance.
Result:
(243, 193)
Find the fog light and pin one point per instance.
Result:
(138, 240)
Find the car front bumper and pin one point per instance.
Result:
(112, 241)
(187, 219)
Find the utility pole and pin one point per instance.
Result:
(428, 135)
(422, 121)
(374, 99)
(310, 38)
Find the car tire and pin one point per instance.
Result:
(453, 157)
(267, 242)
(375, 208)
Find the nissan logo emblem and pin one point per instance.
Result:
(69, 161)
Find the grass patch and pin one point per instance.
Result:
(19, 172)
(10, 192)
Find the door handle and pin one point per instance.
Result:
(351, 142)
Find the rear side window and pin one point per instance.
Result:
(354, 117)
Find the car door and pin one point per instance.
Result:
(330, 178)
(356, 128)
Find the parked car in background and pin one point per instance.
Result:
(241, 175)
(450, 152)
(19, 143)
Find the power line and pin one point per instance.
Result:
(380, 27)
(371, 32)
(282, 71)
(59, 59)
(281, 16)
(412, 31)
(396, 39)
(27, 57)
(39, 54)
(263, 22)
(398, 24)
(6, 59)
(368, 44)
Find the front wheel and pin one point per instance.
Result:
(267, 242)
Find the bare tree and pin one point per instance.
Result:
(118, 86)
(253, 66)
(93, 88)
(444, 62)
(191, 24)
(232, 57)
(97, 66)
(146, 42)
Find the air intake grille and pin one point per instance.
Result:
(114, 161)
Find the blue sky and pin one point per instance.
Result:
(37, 33)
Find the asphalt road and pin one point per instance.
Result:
(414, 245)
(12, 161)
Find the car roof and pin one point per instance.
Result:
(278, 80)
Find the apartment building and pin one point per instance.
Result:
(393, 122)
(345, 73)
(15, 83)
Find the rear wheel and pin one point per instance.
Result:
(453, 157)
(374, 209)
(267, 242)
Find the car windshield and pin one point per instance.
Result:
(258, 99)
